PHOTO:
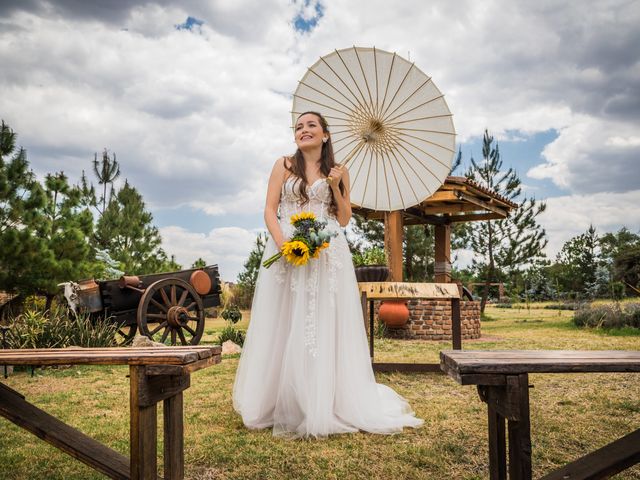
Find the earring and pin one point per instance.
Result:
(324, 140)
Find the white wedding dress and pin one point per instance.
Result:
(305, 368)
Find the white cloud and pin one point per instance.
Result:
(592, 155)
(571, 215)
(228, 247)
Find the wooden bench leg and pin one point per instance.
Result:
(497, 446)
(520, 429)
(173, 438)
(143, 429)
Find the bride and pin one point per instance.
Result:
(305, 368)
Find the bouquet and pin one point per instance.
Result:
(309, 239)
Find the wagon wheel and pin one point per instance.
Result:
(171, 309)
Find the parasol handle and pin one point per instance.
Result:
(340, 165)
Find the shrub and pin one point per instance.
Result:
(371, 256)
(230, 333)
(608, 316)
(232, 314)
(59, 328)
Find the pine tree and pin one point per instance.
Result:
(503, 246)
(67, 228)
(21, 200)
(126, 231)
(107, 170)
(577, 262)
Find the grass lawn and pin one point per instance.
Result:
(570, 414)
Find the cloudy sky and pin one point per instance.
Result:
(194, 98)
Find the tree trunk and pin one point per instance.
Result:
(489, 279)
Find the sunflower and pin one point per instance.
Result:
(302, 216)
(296, 252)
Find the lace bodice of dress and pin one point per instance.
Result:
(319, 202)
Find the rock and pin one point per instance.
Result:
(143, 341)
(230, 348)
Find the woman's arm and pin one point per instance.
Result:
(273, 201)
(343, 201)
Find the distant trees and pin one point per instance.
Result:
(48, 233)
(589, 265)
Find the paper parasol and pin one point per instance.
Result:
(389, 124)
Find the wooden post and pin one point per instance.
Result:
(520, 429)
(173, 438)
(143, 429)
(443, 253)
(393, 236)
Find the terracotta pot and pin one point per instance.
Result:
(372, 273)
(394, 313)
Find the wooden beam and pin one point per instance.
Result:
(440, 196)
(481, 203)
(393, 234)
(435, 208)
(475, 217)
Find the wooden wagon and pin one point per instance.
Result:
(166, 307)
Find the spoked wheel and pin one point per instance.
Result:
(171, 310)
(125, 334)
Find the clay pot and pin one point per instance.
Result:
(372, 273)
(394, 313)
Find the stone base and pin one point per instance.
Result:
(431, 320)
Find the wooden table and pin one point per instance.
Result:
(502, 378)
(156, 373)
(370, 291)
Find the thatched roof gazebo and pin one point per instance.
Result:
(459, 199)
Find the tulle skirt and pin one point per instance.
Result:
(305, 368)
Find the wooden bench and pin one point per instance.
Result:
(502, 379)
(156, 374)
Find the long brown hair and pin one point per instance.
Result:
(327, 161)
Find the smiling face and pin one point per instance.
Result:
(308, 132)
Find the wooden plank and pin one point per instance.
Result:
(153, 370)
(604, 462)
(408, 290)
(63, 436)
(63, 357)
(126, 350)
(542, 361)
(407, 367)
(143, 430)
(173, 438)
